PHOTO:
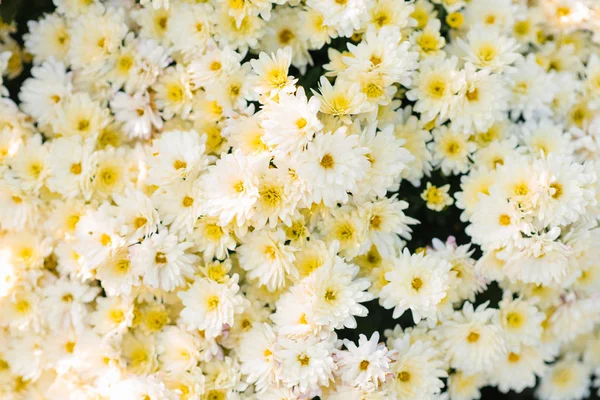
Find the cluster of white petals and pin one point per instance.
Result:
(201, 200)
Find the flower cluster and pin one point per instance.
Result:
(189, 210)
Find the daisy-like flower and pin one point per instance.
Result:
(266, 258)
(47, 38)
(209, 305)
(346, 17)
(212, 239)
(518, 370)
(79, 115)
(179, 204)
(341, 100)
(388, 158)
(65, 304)
(418, 283)
(532, 90)
(42, 95)
(291, 122)
(451, 150)
(29, 164)
(335, 294)
(386, 221)
(306, 363)
(272, 73)
(437, 198)
(482, 101)
(117, 275)
(162, 260)
(68, 164)
(435, 85)
(256, 356)
(233, 184)
(487, 48)
(333, 164)
(98, 237)
(178, 350)
(567, 379)
(364, 366)
(136, 112)
(521, 321)
(113, 315)
(462, 386)
(472, 340)
(138, 214)
(417, 369)
(565, 189)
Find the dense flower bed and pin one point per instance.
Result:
(204, 199)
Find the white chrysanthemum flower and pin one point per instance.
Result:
(233, 184)
(192, 31)
(113, 315)
(465, 282)
(272, 73)
(346, 17)
(472, 340)
(451, 150)
(521, 321)
(566, 189)
(494, 222)
(386, 221)
(209, 306)
(482, 101)
(162, 260)
(29, 165)
(117, 275)
(532, 89)
(488, 48)
(178, 350)
(418, 283)
(567, 379)
(79, 115)
(137, 213)
(465, 387)
(48, 38)
(342, 100)
(335, 294)
(94, 37)
(256, 351)
(213, 240)
(387, 158)
(65, 304)
(435, 86)
(291, 122)
(136, 114)
(306, 363)
(519, 369)
(179, 205)
(333, 164)
(68, 164)
(43, 93)
(382, 52)
(575, 316)
(416, 370)
(541, 259)
(277, 201)
(347, 226)
(364, 366)
(265, 256)
(545, 136)
(478, 181)
(98, 237)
